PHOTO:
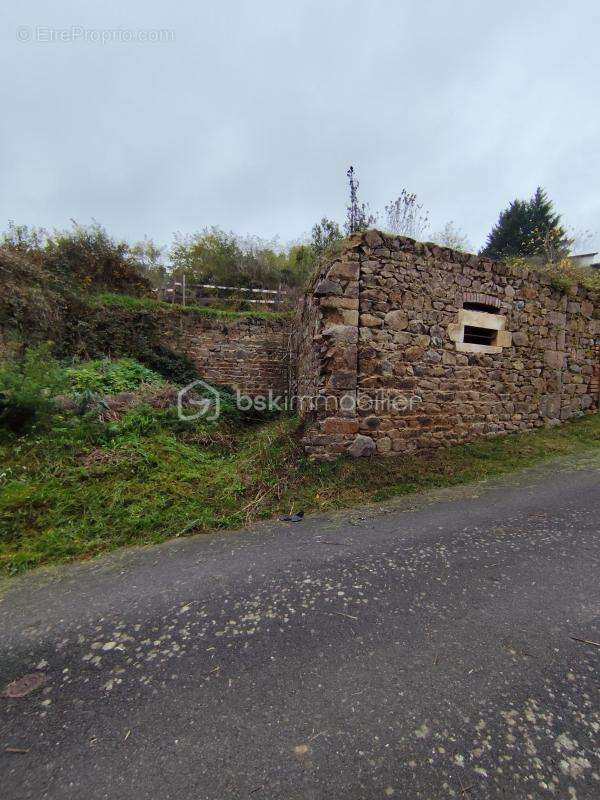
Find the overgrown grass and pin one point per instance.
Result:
(27, 386)
(84, 488)
(131, 303)
(109, 376)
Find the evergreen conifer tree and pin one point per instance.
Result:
(528, 228)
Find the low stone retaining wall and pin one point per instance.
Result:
(249, 354)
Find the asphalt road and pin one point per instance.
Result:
(418, 650)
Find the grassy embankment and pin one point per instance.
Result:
(130, 303)
(82, 487)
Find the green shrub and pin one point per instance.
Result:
(32, 301)
(27, 387)
(561, 282)
(89, 402)
(45, 278)
(104, 376)
(564, 274)
(90, 257)
(175, 367)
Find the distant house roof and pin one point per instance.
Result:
(586, 260)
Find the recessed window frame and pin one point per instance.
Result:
(494, 323)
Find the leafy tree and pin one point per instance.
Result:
(263, 263)
(34, 263)
(221, 258)
(150, 258)
(528, 228)
(23, 239)
(406, 216)
(358, 216)
(451, 236)
(324, 234)
(27, 386)
(301, 261)
(211, 256)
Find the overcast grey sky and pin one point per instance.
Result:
(250, 116)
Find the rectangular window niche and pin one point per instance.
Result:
(480, 332)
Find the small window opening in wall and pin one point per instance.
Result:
(488, 309)
(485, 336)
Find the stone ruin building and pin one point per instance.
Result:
(412, 346)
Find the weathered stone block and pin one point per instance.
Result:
(520, 339)
(344, 270)
(372, 422)
(327, 287)
(361, 447)
(350, 317)
(396, 320)
(384, 445)
(554, 359)
(341, 425)
(414, 353)
(339, 302)
(341, 333)
(370, 321)
(587, 308)
(343, 379)
(557, 318)
(373, 239)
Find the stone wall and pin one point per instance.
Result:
(246, 353)
(434, 347)
(327, 356)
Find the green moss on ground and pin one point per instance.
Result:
(83, 488)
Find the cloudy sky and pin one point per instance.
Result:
(249, 113)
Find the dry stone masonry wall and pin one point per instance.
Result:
(249, 354)
(413, 346)
(327, 356)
